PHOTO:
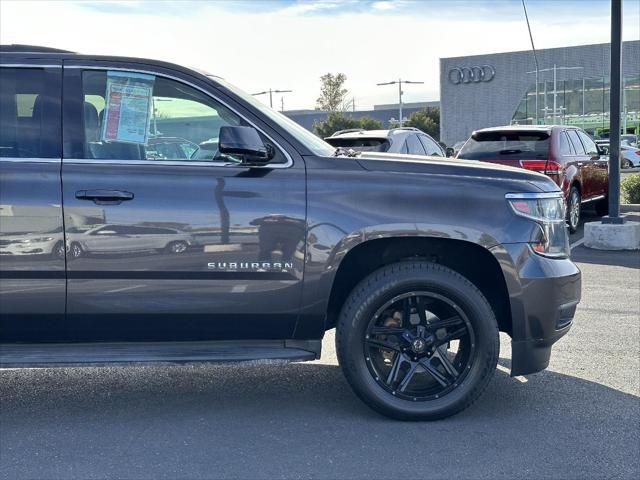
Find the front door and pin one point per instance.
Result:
(167, 238)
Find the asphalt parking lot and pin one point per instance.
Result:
(578, 419)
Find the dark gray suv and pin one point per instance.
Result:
(417, 264)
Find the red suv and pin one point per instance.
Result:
(565, 154)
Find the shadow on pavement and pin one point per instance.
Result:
(626, 258)
(301, 420)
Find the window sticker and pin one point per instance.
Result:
(127, 107)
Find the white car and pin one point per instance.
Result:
(128, 239)
(629, 155)
(33, 244)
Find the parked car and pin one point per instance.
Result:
(629, 155)
(32, 243)
(565, 154)
(417, 263)
(407, 140)
(118, 239)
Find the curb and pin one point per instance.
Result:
(630, 208)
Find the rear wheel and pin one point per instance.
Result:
(177, 247)
(417, 341)
(573, 209)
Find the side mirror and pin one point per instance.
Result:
(450, 152)
(243, 141)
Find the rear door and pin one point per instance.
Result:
(584, 164)
(599, 167)
(197, 247)
(32, 256)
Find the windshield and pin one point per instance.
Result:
(361, 144)
(506, 146)
(315, 144)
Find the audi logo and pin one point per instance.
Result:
(475, 74)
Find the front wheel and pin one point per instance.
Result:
(573, 209)
(177, 247)
(626, 163)
(417, 341)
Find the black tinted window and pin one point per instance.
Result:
(30, 113)
(505, 145)
(431, 147)
(575, 141)
(414, 146)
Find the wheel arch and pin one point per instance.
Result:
(484, 271)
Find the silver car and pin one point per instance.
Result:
(407, 140)
(127, 239)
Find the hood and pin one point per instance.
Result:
(412, 164)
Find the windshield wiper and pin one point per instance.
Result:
(340, 151)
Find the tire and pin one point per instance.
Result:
(573, 209)
(177, 247)
(626, 163)
(356, 356)
(602, 207)
(75, 251)
(58, 251)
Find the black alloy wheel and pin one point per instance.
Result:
(417, 341)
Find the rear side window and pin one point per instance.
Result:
(589, 145)
(575, 141)
(30, 113)
(360, 144)
(431, 147)
(414, 146)
(506, 145)
(565, 146)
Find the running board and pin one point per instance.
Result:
(16, 355)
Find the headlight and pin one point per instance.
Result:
(39, 240)
(548, 210)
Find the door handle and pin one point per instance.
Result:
(104, 197)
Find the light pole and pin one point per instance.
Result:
(271, 92)
(399, 82)
(535, 58)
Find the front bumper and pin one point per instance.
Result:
(543, 293)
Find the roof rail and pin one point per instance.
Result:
(347, 130)
(17, 48)
(413, 129)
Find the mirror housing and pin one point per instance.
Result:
(244, 141)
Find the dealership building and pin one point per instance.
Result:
(500, 89)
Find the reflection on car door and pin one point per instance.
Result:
(245, 226)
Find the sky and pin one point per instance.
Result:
(289, 44)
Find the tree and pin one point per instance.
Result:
(427, 120)
(335, 121)
(333, 95)
(339, 121)
(368, 123)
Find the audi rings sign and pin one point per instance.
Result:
(475, 74)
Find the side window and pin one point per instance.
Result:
(30, 113)
(565, 146)
(589, 145)
(414, 146)
(431, 147)
(575, 141)
(131, 116)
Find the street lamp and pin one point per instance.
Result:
(271, 92)
(399, 82)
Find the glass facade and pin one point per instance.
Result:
(583, 102)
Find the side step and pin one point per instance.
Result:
(17, 355)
